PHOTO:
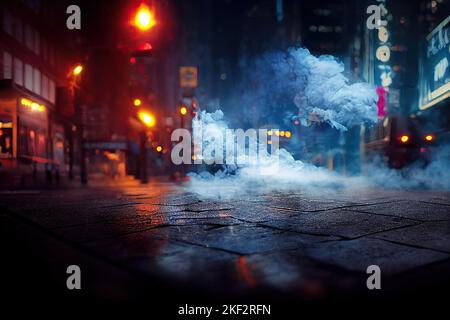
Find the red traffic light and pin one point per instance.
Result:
(144, 18)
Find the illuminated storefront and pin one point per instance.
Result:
(24, 131)
(435, 67)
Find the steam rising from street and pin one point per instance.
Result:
(317, 86)
(326, 92)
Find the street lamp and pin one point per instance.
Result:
(149, 121)
(77, 69)
(74, 77)
(144, 19)
(137, 102)
(147, 118)
(183, 110)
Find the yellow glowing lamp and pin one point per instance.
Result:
(147, 118)
(137, 102)
(429, 137)
(35, 106)
(159, 148)
(32, 105)
(77, 70)
(144, 18)
(287, 134)
(183, 111)
(404, 138)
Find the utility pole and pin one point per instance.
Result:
(143, 157)
(83, 171)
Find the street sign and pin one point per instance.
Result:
(188, 77)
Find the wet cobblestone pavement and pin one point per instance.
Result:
(128, 238)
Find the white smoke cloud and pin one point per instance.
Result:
(278, 171)
(326, 92)
(436, 175)
(281, 172)
(316, 85)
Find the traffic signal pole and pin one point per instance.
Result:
(83, 169)
(143, 157)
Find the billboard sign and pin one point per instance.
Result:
(188, 77)
(435, 67)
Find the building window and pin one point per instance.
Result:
(7, 66)
(8, 22)
(37, 44)
(22, 145)
(33, 5)
(29, 77)
(18, 72)
(51, 55)
(44, 48)
(29, 37)
(37, 81)
(44, 91)
(51, 91)
(41, 145)
(18, 30)
(5, 141)
(31, 142)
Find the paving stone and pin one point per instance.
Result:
(257, 213)
(105, 229)
(308, 242)
(208, 206)
(358, 254)
(342, 223)
(432, 235)
(201, 266)
(293, 270)
(410, 209)
(247, 239)
(305, 205)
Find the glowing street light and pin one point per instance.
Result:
(183, 111)
(137, 102)
(144, 18)
(147, 118)
(77, 70)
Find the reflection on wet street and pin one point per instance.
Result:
(307, 244)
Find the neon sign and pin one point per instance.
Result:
(434, 84)
(33, 106)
